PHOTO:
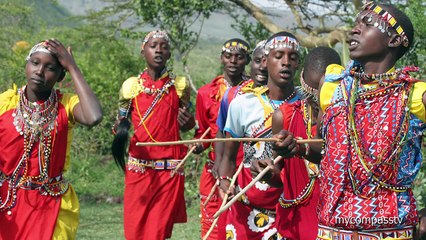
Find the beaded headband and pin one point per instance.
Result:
(39, 47)
(385, 20)
(234, 46)
(260, 44)
(281, 42)
(308, 90)
(155, 34)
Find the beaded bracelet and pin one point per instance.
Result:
(225, 178)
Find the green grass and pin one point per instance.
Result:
(105, 221)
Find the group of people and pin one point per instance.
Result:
(355, 183)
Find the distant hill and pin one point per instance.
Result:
(216, 28)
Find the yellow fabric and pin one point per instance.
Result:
(67, 222)
(69, 101)
(258, 92)
(181, 85)
(9, 99)
(328, 88)
(69, 216)
(416, 107)
(131, 88)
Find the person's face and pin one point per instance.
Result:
(282, 64)
(234, 62)
(258, 71)
(156, 52)
(42, 71)
(366, 41)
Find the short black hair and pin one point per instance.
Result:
(405, 23)
(319, 58)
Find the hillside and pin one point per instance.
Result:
(217, 28)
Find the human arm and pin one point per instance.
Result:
(421, 230)
(220, 122)
(227, 166)
(88, 111)
(202, 122)
(218, 151)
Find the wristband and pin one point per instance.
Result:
(225, 178)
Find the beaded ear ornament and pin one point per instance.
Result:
(308, 91)
(384, 21)
(282, 42)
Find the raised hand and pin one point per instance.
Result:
(64, 56)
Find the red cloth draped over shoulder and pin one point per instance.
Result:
(160, 125)
(153, 200)
(301, 221)
(207, 109)
(34, 215)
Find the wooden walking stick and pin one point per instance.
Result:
(216, 218)
(211, 192)
(222, 140)
(189, 153)
(244, 190)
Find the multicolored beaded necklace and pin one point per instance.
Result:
(389, 83)
(159, 93)
(274, 106)
(37, 123)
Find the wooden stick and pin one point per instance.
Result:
(244, 190)
(233, 180)
(223, 140)
(211, 193)
(189, 153)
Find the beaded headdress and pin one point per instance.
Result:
(384, 21)
(235, 45)
(281, 42)
(39, 47)
(155, 34)
(260, 44)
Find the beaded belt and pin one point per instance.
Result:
(328, 233)
(53, 186)
(139, 165)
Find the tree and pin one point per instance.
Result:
(176, 17)
(317, 23)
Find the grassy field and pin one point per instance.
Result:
(105, 221)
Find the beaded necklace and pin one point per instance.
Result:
(382, 78)
(37, 123)
(159, 93)
(389, 155)
(274, 106)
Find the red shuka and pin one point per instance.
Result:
(300, 221)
